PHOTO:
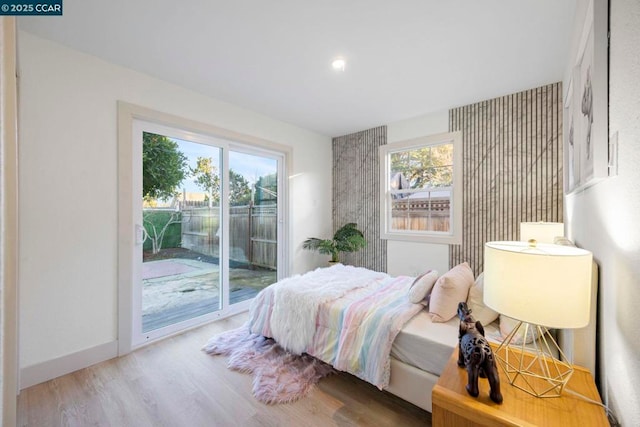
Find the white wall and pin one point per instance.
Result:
(410, 258)
(68, 189)
(604, 219)
(8, 223)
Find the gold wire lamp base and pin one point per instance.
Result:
(533, 367)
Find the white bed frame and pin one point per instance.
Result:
(579, 345)
(411, 384)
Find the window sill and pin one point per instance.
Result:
(422, 238)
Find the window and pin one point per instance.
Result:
(421, 189)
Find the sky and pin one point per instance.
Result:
(250, 166)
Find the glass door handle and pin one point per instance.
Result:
(140, 234)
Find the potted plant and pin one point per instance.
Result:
(347, 239)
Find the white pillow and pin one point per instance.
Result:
(421, 287)
(475, 302)
(507, 324)
(450, 289)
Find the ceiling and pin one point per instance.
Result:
(404, 58)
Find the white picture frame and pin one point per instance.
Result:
(586, 152)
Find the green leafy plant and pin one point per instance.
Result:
(347, 239)
(163, 167)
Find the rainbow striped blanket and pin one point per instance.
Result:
(353, 328)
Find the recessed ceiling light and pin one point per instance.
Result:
(338, 64)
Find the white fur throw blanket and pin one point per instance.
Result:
(297, 299)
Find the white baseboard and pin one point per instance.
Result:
(45, 371)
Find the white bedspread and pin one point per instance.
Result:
(296, 301)
(345, 316)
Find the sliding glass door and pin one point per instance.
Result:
(181, 227)
(253, 223)
(208, 235)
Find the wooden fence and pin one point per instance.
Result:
(253, 233)
(200, 227)
(421, 214)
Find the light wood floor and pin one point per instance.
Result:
(174, 383)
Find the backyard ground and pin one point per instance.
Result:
(179, 284)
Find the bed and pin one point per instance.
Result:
(328, 314)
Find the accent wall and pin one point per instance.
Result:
(512, 173)
(356, 193)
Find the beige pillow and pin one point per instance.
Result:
(563, 241)
(450, 289)
(421, 287)
(507, 324)
(475, 302)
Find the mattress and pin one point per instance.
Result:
(427, 345)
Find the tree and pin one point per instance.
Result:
(155, 228)
(206, 177)
(163, 170)
(163, 167)
(239, 190)
(425, 167)
(266, 189)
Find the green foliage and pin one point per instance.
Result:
(206, 177)
(163, 167)
(156, 220)
(266, 189)
(239, 191)
(425, 167)
(346, 239)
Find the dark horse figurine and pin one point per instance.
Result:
(476, 355)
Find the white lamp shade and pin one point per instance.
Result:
(541, 232)
(547, 285)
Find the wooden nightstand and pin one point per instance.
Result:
(453, 406)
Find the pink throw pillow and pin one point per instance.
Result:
(450, 289)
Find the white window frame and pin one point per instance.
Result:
(454, 236)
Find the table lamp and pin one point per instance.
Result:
(543, 286)
(542, 232)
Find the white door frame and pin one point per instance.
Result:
(140, 337)
(129, 164)
(9, 360)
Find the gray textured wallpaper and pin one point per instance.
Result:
(512, 149)
(356, 193)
